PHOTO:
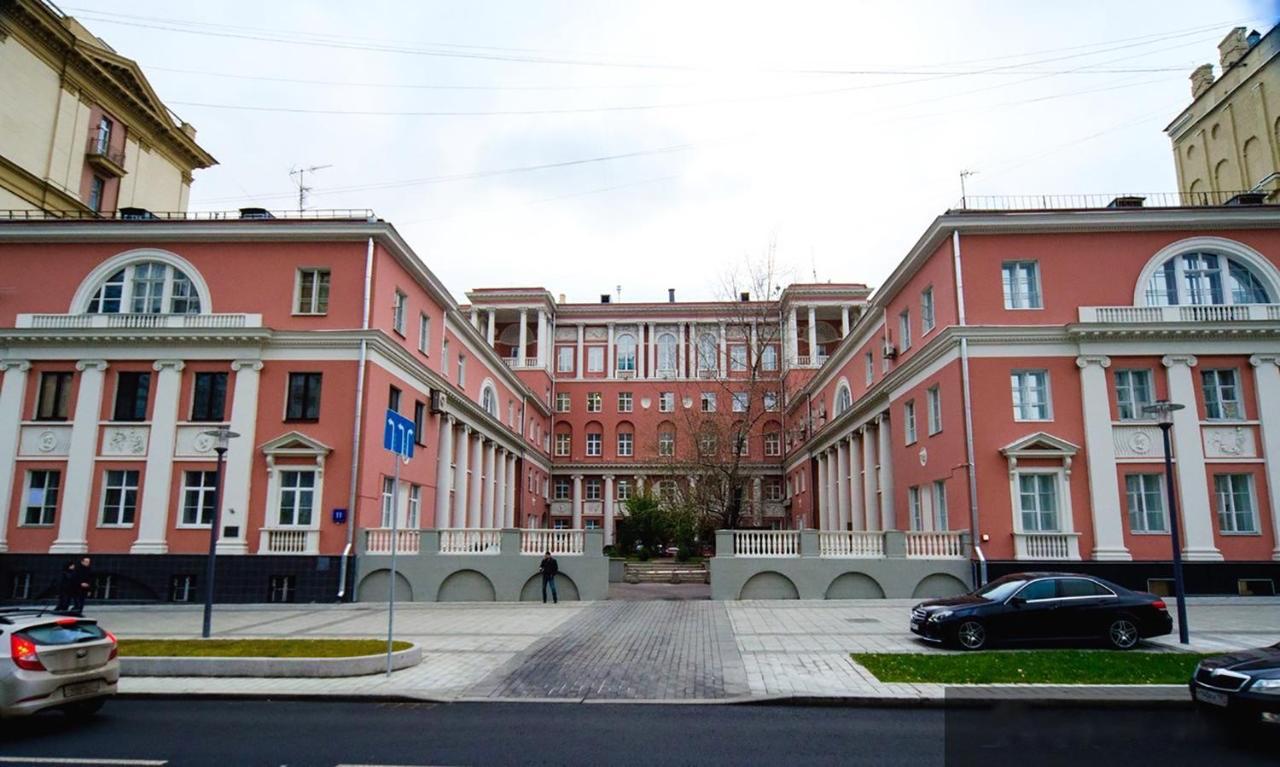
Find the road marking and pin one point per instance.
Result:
(77, 760)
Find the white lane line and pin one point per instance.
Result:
(78, 760)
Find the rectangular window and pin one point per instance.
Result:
(304, 397)
(594, 443)
(738, 358)
(119, 497)
(1221, 395)
(182, 588)
(904, 329)
(54, 403)
(666, 443)
(424, 333)
(595, 402)
(595, 359)
(1133, 393)
(773, 444)
(771, 401)
(927, 319)
(1143, 492)
(562, 402)
(1235, 503)
(393, 399)
(933, 398)
(667, 490)
(769, 358)
(97, 193)
(313, 292)
(593, 490)
(914, 510)
(388, 500)
(21, 588)
(1038, 502)
(462, 372)
(561, 490)
(419, 422)
(564, 359)
(281, 588)
(940, 520)
(1021, 283)
(102, 142)
(624, 489)
(209, 397)
(564, 443)
(909, 421)
(41, 497)
(297, 498)
(197, 497)
(869, 371)
(624, 402)
(398, 311)
(741, 400)
(1031, 395)
(708, 402)
(625, 444)
(444, 358)
(132, 393)
(773, 490)
(666, 402)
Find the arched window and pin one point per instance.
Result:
(667, 353)
(844, 399)
(489, 399)
(1201, 278)
(626, 345)
(708, 352)
(146, 287)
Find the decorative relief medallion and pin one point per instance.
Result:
(687, 402)
(128, 442)
(1229, 442)
(203, 443)
(47, 441)
(645, 402)
(1140, 443)
(924, 456)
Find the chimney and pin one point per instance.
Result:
(1254, 38)
(604, 298)
(562, 298)
(1232, 48)
(1201, 79)
(744, 296)
(671, 295)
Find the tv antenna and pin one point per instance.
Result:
(963, 175)
(301, 174)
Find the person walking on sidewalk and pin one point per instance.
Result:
(549, 568)
(83, 584)
(67, 587)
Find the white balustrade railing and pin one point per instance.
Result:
(1183, 313)
(558, 542)
(766, 543)
(289, 541)
(378, 541)
(479, 541)
(854, 544)
(1046, 546)
(935, 545)
(139, 321)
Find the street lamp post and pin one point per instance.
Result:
(1163, 410)
(222, 437)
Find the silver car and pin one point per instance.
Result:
(55, 661)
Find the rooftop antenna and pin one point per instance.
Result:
(963, 175)
(301, 173)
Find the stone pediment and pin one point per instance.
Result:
(1040, 445)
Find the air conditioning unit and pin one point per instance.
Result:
(890, 351)
(439, 400)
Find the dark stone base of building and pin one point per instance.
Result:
(126, 578)
(1203, 578)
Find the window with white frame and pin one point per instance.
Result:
(626, 440)
(312, 292)
(489, 400)
(773, 490)
(666, 442)
(667, 490)
(1031, 395)
(914, 510)
(414, 513)
(462, 371)
(624, 402)
(564, 359)
(1133, 393)
(769, 358)
(1236, 506)
(940, 519)
(564, 443)
(562, 402)
(1021, 283)
(708, 444)
(770, 401)
(737, 358)
(708, 400)
(593, 490)
(1221, 395)
(742, 441)
(1038, 502)
(424, 333)
(591, 524)
(197, 498)
(933, 400)
(41, 497)
(146, 287)
(388, 500)
(1145, 502)
(595, 359)
(594, 402)
(708, 353)
(398, 312)
(119, 497)
(772, 444)
(623, 490)
(909, 420)
(869, 370)
(594, 442)
(666, 353)
(666, 402)
(297, 498)
(904, 329)
(625, 345)
(741, 400)
(927, 318)
(1198, 279)
(844, 399)
(444, 357)
(561, 490)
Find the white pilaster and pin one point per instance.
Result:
(12, 392)
(500, 488)
(524, 337)
(793, 337)
(1266, 378)
(543, 326)
(857, 504)
(757, 497)
(844, 321)
(489, 327)
(680, 355)
(652, 372)
(80, 465)
(577, 501)
(459, 516)
(581, 333)
(722, 363)
(1104, 488)
(476, 494)
(237, 477)
(443, 466)
(490, 489)
(870, 501)
(824, 500)
(842, 488)
(888, 518)
(608, 354)
(639, 485)
(153, 517)
(513, 490)
(1195, 502)
(608, 509)
(813, 335)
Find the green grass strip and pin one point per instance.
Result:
(1033, 667)
(254, 648)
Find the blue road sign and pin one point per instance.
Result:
(397, 434)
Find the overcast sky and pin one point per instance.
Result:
(834, 131)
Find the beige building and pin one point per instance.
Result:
(80, 127)
(1228, 140)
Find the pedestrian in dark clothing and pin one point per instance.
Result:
(83, 582)
(67, 587)
(549, 568)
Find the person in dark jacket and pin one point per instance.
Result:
(549, 568)
(67, 587)
(83, 583)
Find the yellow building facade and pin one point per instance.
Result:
(1227, 141)
(81, 129)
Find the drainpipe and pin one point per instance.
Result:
(358, 425)
(974, 534)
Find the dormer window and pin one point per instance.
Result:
(146, 287)
(1202, 278)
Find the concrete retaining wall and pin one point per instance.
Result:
(271, 667)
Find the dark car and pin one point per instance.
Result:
(1031, 607)
(1243, 685)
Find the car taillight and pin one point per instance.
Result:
(23, 651)
(115, 646)
(1159, 604)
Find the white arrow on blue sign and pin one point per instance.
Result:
(398, 434)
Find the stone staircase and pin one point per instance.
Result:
(666, 571)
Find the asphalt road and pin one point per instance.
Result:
(244, 733)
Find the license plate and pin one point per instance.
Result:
(83, 688)
(1211, 697)
(915, 625)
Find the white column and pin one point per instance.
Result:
(844, 321)
(813, 335)
(722, 363)
(652, 372)
(793, 338)
(824, 500)
(489, 327)
(757, 497)
(857, 505)
(608, 354)
(490, 487)
(543, 326)
(513, 490)
(80, 465)
(581, 333)
(443, 460)
(500, 488)
(870, 504)
(1266, 377)
(888, 517)
(639, 485)
(680, 355)
(476, 493)
(608, 509)
(577, 501)
(459, 516)
(12, 392)
(237, 476)
(1100, 452)
(524, 337)
(753, 351)
(1195, 502)
(153, 517)
(842, 489)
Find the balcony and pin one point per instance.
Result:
(378, 541)
(286, 540)
(105, 159)
(851, 544)
(1050, 546)
(558, 542)
(138, 321)
(948, 544)
(1146, 315)
(766, 543)
(480, 541)
(521, 363)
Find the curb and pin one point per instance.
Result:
(268, 668)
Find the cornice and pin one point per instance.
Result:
(201, 336)
(625, 470)
(36, 190)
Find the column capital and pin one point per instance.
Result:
(1257, 360)
(21, 366)
(1085, 360)
(1171, 360)
(252, 365)
(576, 477)
(607, 477)
(83, 365)
(177, 365)
(448, 417)
(466, 429)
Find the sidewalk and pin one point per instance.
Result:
(652, 651)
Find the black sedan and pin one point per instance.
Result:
(1029, 607)
(1244, 685)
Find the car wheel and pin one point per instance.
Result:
(1123, 634)
(84, 709)
(971, 635)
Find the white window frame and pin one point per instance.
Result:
(562, 484)
(1020, 403)
(593, 490)
(904, 330)
(1140, 510)
(941, 515)
(204, 494)
(278, 495)
(771, 401)
(424, 333)
(594, 443)
(738, 358)
(625, 351)
(1010, 272)
(741, 401)
(769, 358)
(1228, 409)
(316, 273)
(595, 402)
(595, 359)
(772, 444)
(933, 401)
(666, 443)
(124, 489)
(666, 402)
(413, 509)
(626, 401)
(870, 373)
(928, 311)
(667, 352)
(388, 501)
(915, 510)
(622, 490)
(1225, 505)
(563, 402)
(398, 312)
(43, 505)
(626, 444)
(909, 421)
(1126, 394)
(707, 402)
(565, 358)
(564, 445)
(1062, 499)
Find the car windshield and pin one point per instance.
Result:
(1000, 589)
